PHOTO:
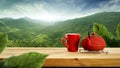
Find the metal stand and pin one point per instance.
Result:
(93, 52)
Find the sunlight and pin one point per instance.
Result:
(46, 17)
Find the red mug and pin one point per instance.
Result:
(72, 41)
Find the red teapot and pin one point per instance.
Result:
(93, 42)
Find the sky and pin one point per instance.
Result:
(56, 10)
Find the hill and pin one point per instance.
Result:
(20, 28)
(28, 32)
(3, 27)
(80, 25)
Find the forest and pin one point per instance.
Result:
(26, 32)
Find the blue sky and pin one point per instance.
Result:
(55, 10)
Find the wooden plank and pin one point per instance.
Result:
(60, 57)
(76, 62)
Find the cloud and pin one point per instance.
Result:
(106, 6)
(22, 9)
(112, 5)
(57, 9)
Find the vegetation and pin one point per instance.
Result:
(25, 32)
(118, 31)
(3, 41)
(112, 41)
(26, 60)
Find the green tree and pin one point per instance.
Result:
(3, 41)
(118, 31)
(40, 40)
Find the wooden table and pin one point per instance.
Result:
(60, 57)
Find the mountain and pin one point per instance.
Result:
(21, 23)
(3, 27)
(20, 28)
(81, 25)
(38, 34)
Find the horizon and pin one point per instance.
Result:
(51, 22)
(55, 10)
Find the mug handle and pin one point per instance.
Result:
(63, 42)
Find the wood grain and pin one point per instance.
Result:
(60, 57)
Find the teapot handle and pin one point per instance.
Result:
(90, 29)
